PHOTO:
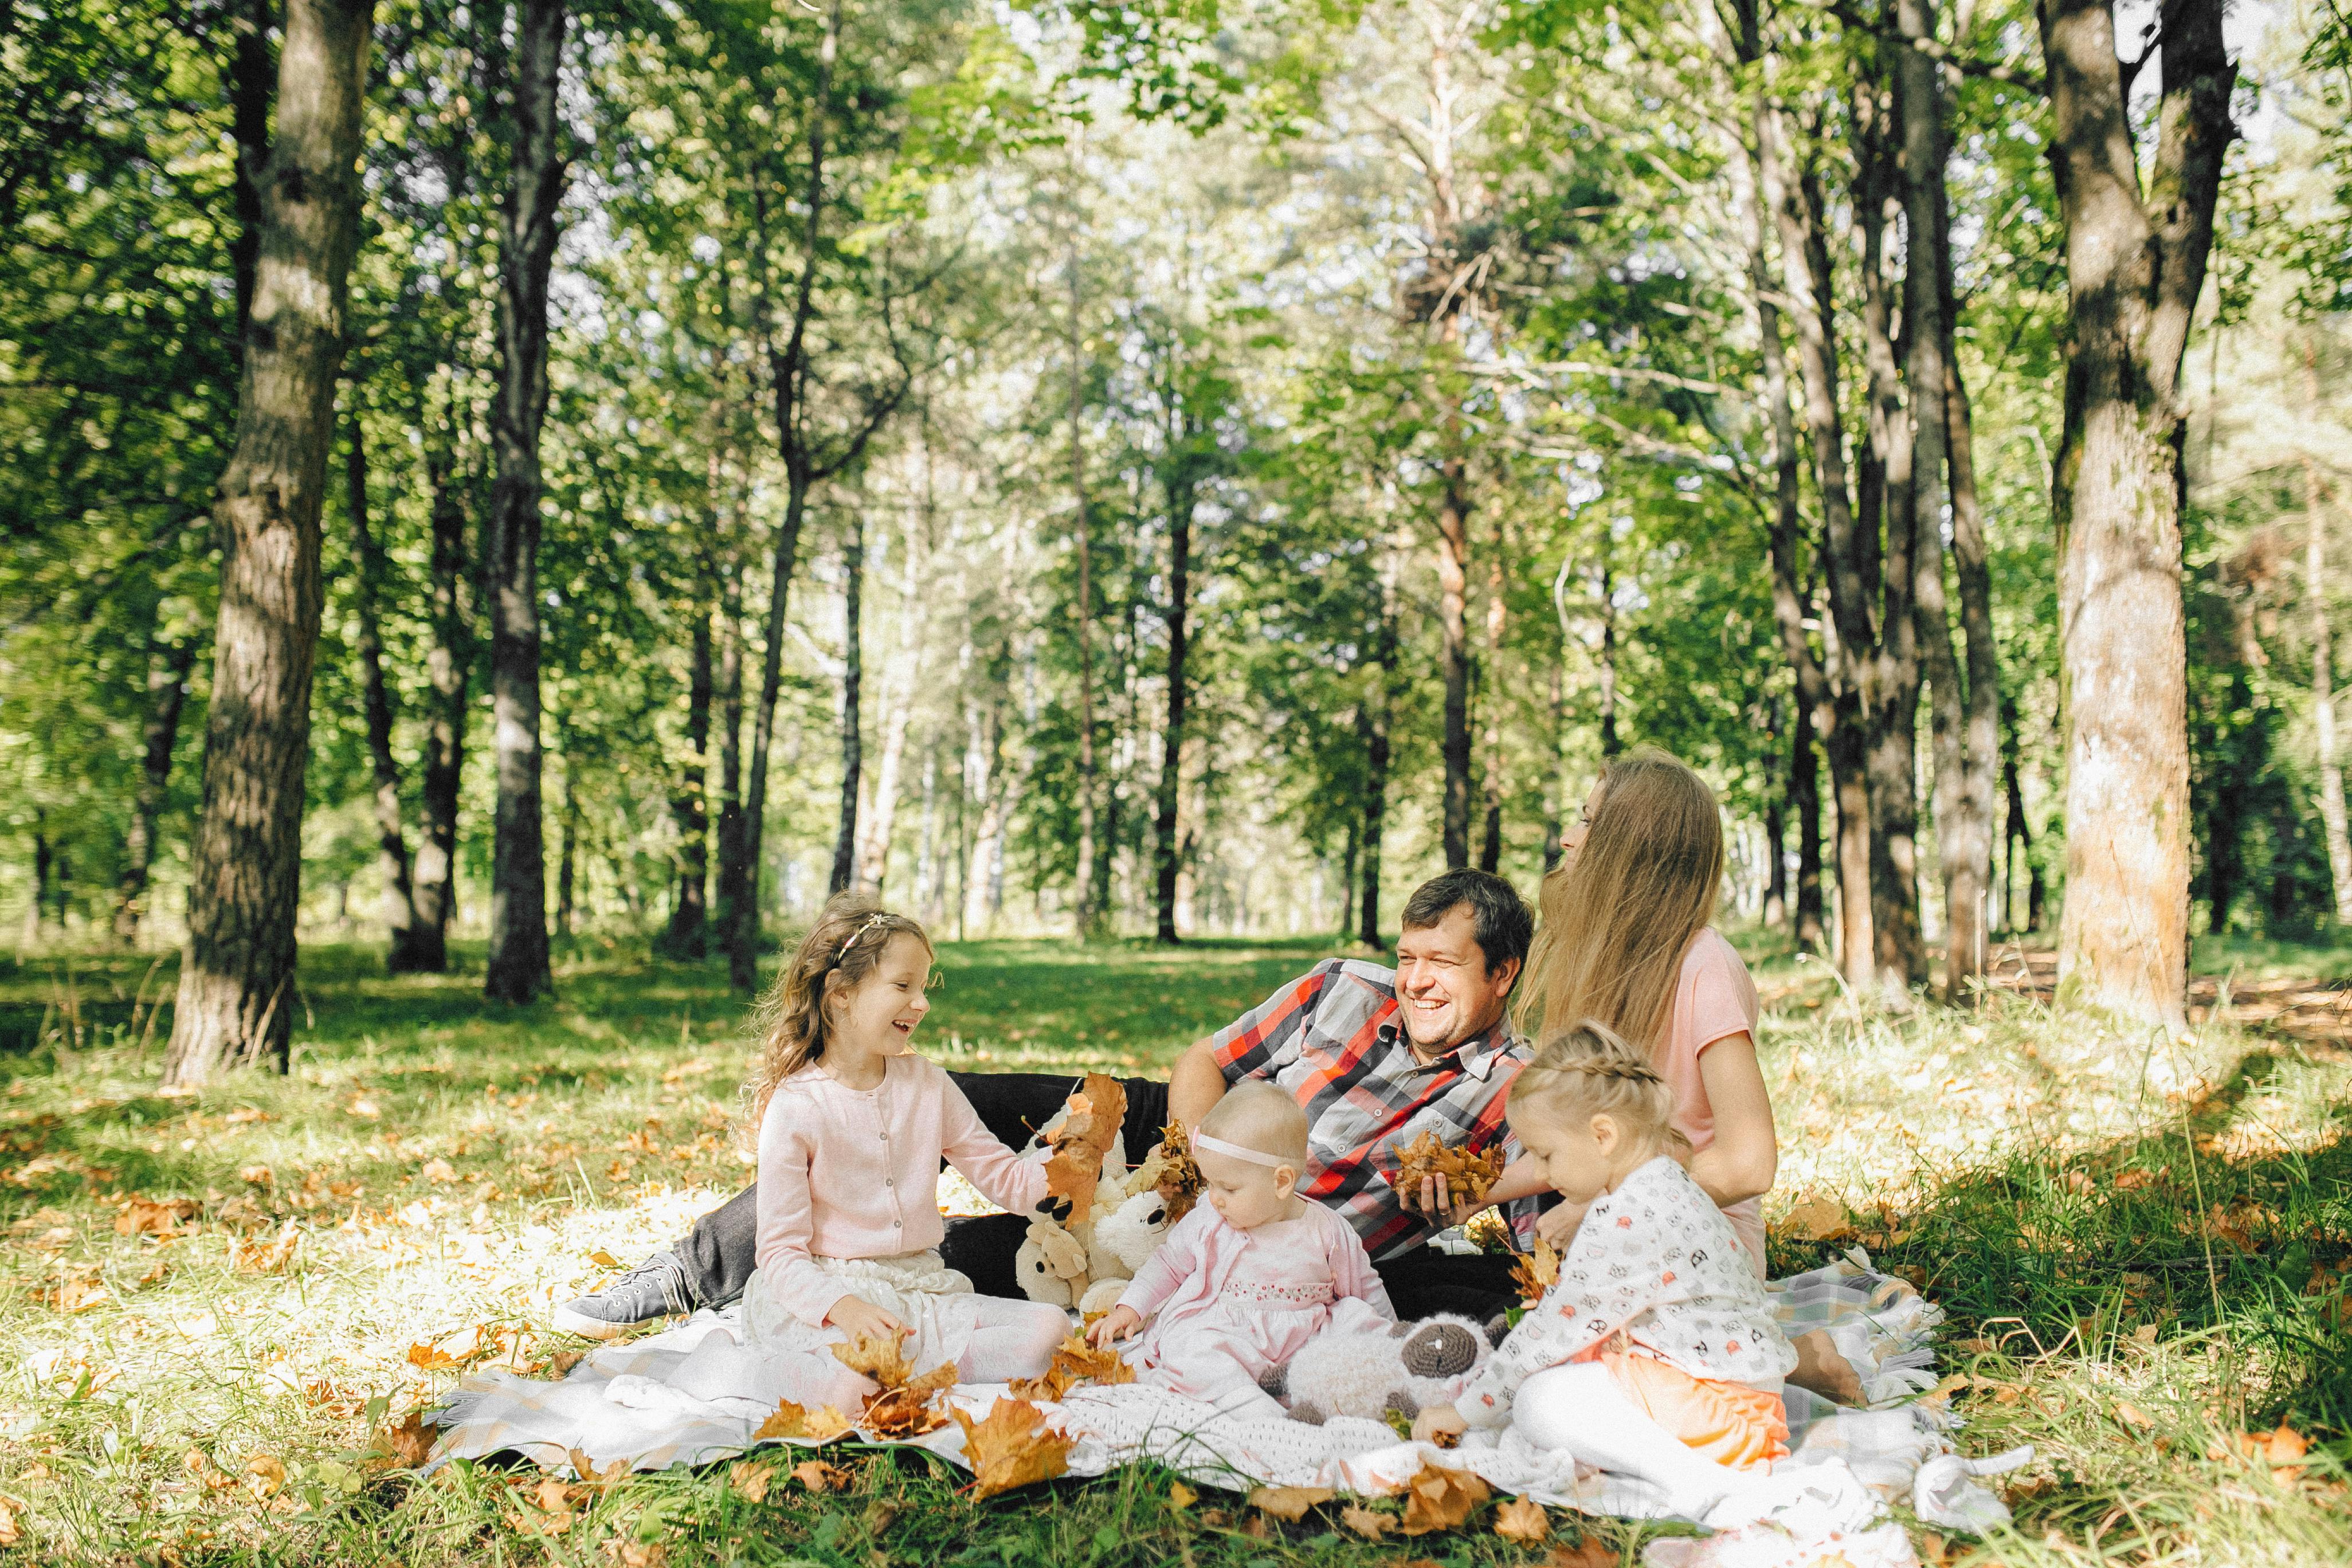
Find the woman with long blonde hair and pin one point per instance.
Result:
(1625, 943)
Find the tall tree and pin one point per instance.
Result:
(518, 968)
(853, 675)
(168, 668)
(369, 572)
(234, 1003)
(2136, 257)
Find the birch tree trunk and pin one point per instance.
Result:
(853, 676)
(236, 1004)
(1167, 857)
(391, 843)
(1490, 850)
(518, 968)
(687, 936)
(2134, 265)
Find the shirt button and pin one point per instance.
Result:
(894, 1224)
(888, 1183)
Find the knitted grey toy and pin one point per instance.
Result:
(1371, 1375)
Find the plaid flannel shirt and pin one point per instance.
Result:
(1334, 1039)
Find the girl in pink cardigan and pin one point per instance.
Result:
(853, 1126)
(1250, 1275)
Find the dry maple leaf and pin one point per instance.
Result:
(407, 1446)
(1535, 1272)
(750, 1479)
(265, 1475)
(1011, 1446)
(270, 1256)
(10, 1533)
(154, 1216)
(788, 1420)
(1180, 1176)
(1365, 1521)
(1288, 1503)
(1522, 1519)
(1586, 1552)
(820, 1477)
(882, 1358)
(1818, 1220)
(2282, 1449)
(1077, 1362)
(1439, 1499)
(1468, 1175)
(899, 1412)
(827, 1424)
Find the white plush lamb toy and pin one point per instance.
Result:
(1373, 1374)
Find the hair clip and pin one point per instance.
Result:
(872, 920)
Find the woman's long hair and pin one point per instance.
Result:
(1617, 921)
(841, 950)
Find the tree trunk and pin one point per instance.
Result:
(983, 785)
(1089, 912)
(400, 918)
(2017, 832)
(251, 79)
(1775, 835)
(448, 667)
(734, 879)
(519, 969)
(1166, 858)
(569, 855)
(1454, 651)
(688, 935)
(2323, 674)
(900, 687)
(853, 672)
(1805, 812)
(235, 1001)
(1490, 696)
(168, 668)
(2135, 266)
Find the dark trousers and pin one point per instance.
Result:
(719, 1253)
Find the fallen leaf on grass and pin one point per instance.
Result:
(1522, 1519)
(1586, 1554)
(1439, 1499)
(884, 1358)
(820, 1477)
(154, 1216)
(1182, 1496)
(1536, 1272)
(2131, 1414)
(1288, 1503)
(1365, 1521)
(74, 1295)
(604, 1259)
(898, 1413)
(641, 1554)
(438, 1171)
(2282, 1449)
(10, 1533)
(750, 1479)
(271, 1256)
(265, 1475)
(1011, 1446)
(559, 1365)
(593, 1478)
(406, 1446)
(155, 1273)
(1818, 1220)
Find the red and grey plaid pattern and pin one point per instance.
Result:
(1335, 1040)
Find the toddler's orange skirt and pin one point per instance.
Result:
(1737, 1426)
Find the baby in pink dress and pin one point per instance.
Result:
(1251, 1275)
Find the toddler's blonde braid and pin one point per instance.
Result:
(1589, 1070)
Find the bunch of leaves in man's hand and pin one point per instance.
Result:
(1468, 1175)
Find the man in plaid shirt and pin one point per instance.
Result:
(1375, 1056)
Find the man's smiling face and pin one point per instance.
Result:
(1448, 992)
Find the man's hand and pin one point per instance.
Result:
(1557, 1224)
(860, 1319)
(1433, 1201)
(1116, 1325)
(1436, 1423)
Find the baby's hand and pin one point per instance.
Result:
(1116, 1325)
(1438, 1424)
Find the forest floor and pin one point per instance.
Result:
(210, 1307)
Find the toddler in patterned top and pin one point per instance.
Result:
(1250, 1274)
(1655, 1353)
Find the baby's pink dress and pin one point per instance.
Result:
(1234, 1304)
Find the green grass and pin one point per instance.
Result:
(2142, 1245)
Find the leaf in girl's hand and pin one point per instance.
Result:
(1288, 1503)
(882, 1358)
(1535, 1272)
(1439, 1499)
(788, 1420)
(1011, 1446)
(1522, 1519)
(1081, 1141)
(820, 1477)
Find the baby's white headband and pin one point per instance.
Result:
(1219, 1146)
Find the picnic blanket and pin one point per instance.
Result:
(694, 1393)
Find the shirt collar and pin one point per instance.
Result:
(1477, 1056)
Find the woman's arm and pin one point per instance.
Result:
(1745, 1157)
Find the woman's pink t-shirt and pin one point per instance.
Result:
(1714, 1000)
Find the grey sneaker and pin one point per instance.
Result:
(654, 1289)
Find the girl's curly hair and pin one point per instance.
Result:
(840, 950)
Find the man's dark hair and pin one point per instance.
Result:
(1499, 918)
